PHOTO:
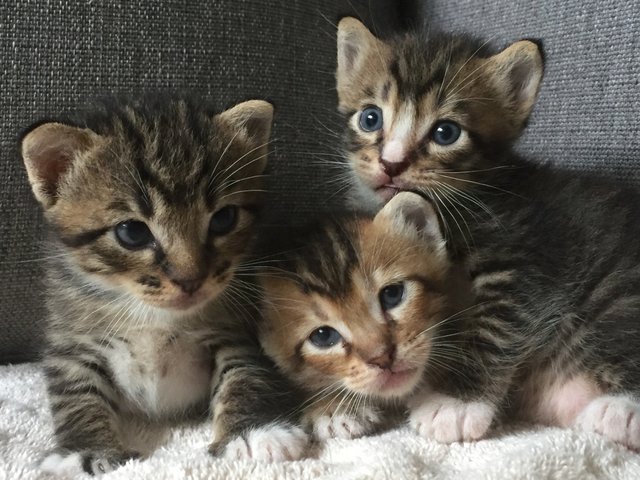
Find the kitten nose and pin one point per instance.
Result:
(188, 285)
(385, 360)
(392, 168)
(394, 159)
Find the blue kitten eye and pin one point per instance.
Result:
(446, 133)
(371, 119)
(133, 235)
(325, 337)
(391, 296)
(224, 220)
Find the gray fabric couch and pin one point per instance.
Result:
(54, 55)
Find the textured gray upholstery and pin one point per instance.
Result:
(588, 114)
(54, 55)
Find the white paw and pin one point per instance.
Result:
(617, 418)
(94, 462)
(59, 465)
(345, 426)
(275, 443)
(447, 419)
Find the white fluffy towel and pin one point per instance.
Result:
(517, 453)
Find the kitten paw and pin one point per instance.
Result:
(62, 464)
(94, 463)
(448, 420)
(98, 463)
(274, 443)
(345, 426)
(617, 418)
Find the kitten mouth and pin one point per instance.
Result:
(184, 303)
(387, 191)
(398, 382)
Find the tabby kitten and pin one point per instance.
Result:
(552, 256)
(153, 203)
(355, 308)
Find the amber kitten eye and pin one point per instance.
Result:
(134, 235)
(224, 220)
(391, 296)
(370, 119)
(325, 337)
(446, 133)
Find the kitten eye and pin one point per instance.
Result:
(133, 235)
(325, 337)
(446, 133)
(371, 119)
(391, 295)
(224, 220)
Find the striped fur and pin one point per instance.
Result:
(552, 255)
(157, 333)
(333, 276)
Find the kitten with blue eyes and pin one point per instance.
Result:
(356, 313)
(153, 204)
(552, 255)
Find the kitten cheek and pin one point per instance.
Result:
(222, 272)
(373, 177)
(324, 368)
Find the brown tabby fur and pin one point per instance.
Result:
(552, 255)
(405, 80)
(158, 333)
(332, 276)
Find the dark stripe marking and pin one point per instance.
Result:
(84, 238)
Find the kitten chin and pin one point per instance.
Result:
(365, 199)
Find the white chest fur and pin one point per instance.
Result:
(162, 371)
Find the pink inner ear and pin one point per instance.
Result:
(46, 164)
(523, 81)
(51, 165)
(48, 151)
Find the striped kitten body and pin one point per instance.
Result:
(552, 256)
(153, 206)
(354, 309)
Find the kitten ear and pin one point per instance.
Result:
(254, 116)
(519, 69)
(48, 152)
(411, 214)
(355, 41)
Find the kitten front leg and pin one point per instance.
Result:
(465, 405)
(333, 418)
(84, 406)
(252, 408)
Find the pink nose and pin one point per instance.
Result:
(190, 285)
(393, 152)
(385, 360)
(393, 159)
